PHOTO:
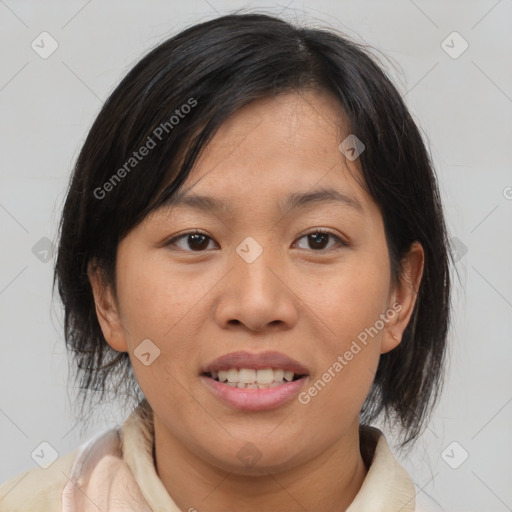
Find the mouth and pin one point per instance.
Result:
(251, 378)
(254, 382)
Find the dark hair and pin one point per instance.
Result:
(183, 90)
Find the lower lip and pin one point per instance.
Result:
(255, 399)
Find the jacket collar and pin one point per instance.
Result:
(116, 472)
(386, 488)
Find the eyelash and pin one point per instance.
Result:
(339, 241)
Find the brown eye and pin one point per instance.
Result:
(192, 242)
(319, 240)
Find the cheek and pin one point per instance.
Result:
(352, 299)
(149, 303)
(138, 292)
(350, 352)
(156, 305)
(348, 309)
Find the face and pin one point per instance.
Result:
(281, 273)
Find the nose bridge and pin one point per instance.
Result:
(252, 263)
(255, 295)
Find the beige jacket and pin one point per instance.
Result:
(115, 472)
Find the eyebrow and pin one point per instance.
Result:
(292, 202)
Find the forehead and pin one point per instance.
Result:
(285, 149)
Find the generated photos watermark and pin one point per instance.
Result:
(355, 347)
(151, 142)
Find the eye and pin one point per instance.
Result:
(195, 241)
(318, 240)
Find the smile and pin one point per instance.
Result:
(249, 378)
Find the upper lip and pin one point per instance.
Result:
(256, 361)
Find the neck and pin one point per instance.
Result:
(327, 482)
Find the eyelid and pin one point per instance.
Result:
(172, 241)
(311, 231)
(326, 231)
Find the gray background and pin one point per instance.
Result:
(463, 105)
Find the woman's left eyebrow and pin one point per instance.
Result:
(292, 202)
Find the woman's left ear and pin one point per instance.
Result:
(404, 297)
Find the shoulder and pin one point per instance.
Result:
(387, 485)
(38, 488)
(53, 489)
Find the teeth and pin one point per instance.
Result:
(232, 375)
(288, 375)
(253, 379)
(265, 376)
(278, 375)
(246, 375)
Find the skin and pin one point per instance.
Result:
(305, 302)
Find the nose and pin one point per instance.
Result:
(256, 295)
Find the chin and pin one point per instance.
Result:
(257, 458)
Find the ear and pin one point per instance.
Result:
(404, 296)
(107, 309)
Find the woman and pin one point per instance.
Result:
(253, 245)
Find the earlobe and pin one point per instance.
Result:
(405, 296)
(106, 309)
